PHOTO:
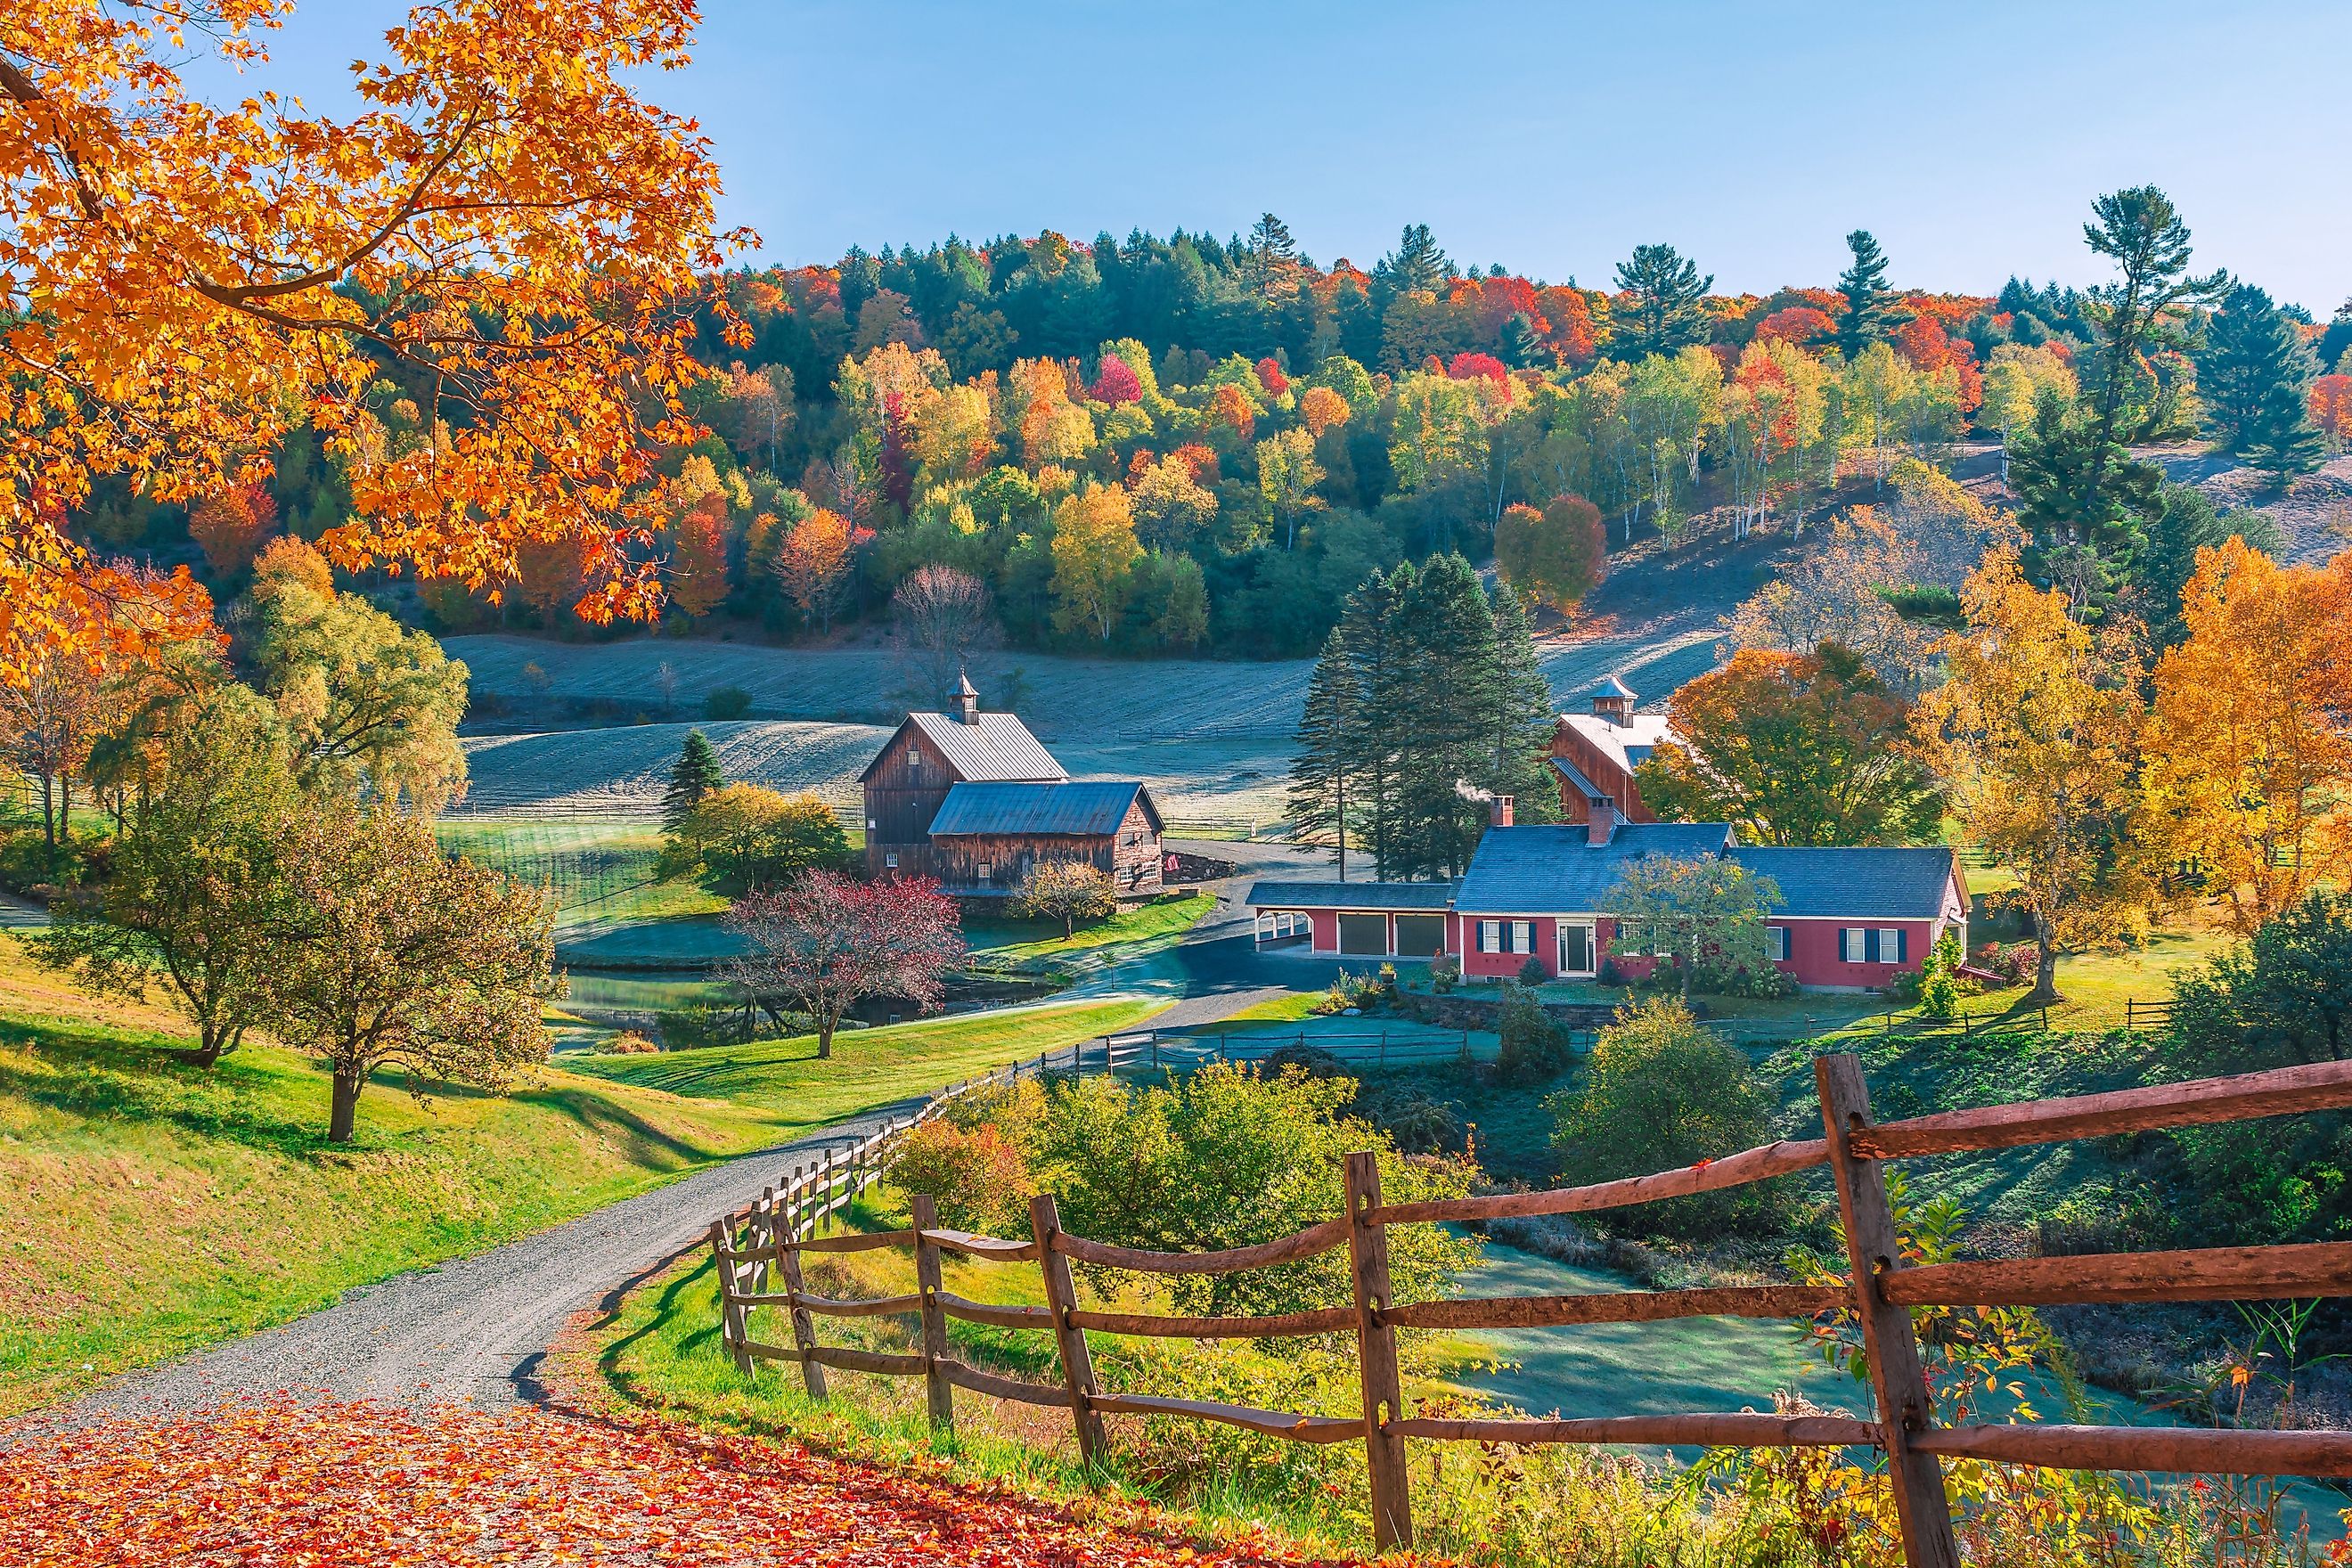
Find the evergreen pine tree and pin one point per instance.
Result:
(1869, 314)
(2252, 374)
(1322, 770)
(1667, 310)
(1516, 712)
(1445, 745)
(2086, 551)
(697, 774)
(1415, 263)
(1373, 627)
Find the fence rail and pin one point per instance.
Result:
(1880, 1291)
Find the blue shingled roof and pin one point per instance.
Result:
(1433, 897)
(1854, 883)
(1555, 870)
(1090, 810)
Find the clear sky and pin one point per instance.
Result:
(1552, 138)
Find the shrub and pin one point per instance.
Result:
(2016, 962)
(1228, 1157)
(1533, 1048)
(1939, 988)
(630, 1043)
(1444, 973)
(727, 702)
(1661, 1092)
(1533, 972)
(979, 1178)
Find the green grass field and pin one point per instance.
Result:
(156, 1207)
(870, 1067)
(1128, 934)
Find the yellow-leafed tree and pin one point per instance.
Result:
(2249, 755)
(2036, 735)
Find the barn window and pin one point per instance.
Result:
(1523, 936)
(1776, 938)
(1888, 944)
(871, 824)
(1490, 936)
(890, 862)
(986, 871)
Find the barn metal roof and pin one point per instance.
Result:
(1088, 810)
(994, 747)
(1433, 897)
(1854, 883)
(1556, 868)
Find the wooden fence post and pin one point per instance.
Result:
(1376, 1355)
(1069, 1339)
(788, 1264)
(731, 1313)
(1888, 1342)
(925, 1212)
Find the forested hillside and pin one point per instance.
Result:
(1189, 445)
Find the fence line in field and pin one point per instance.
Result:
(758, 1247)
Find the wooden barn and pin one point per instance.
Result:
(974, 800)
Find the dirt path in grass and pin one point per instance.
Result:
(368, 1484)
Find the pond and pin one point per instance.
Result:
(1693, 1364)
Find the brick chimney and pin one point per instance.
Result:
(1600, 822)
(967, 699)
(1498, 813)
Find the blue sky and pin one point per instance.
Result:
(1552, 138)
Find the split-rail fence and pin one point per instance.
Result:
(759, 1251)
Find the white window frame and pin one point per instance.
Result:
(889, 862)
(1523, 938)
(1780, 935)
(1890, 945)
(1490, 936)
(1853, 944)
(985, 870)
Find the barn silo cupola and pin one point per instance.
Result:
(1613, 700)
(967, 699)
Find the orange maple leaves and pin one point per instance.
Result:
(371, 1484)
(507, 232)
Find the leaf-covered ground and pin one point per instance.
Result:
(323, 1486)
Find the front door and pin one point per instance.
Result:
(1575, 949)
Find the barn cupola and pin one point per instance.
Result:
(1612, 699)
(967, 699)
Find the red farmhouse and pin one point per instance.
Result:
(1851, 918)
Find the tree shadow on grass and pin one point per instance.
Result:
(645, 1144)
(100, 1074)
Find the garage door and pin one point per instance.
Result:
(1420, 936)
(1367, 934)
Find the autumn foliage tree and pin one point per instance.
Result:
(1793, 749)
(506, 226)
(1557, 555)
(815, 560)
(405, 957)
(2036, 735)
(826, 943)
(230, 527)
(697, 557)
(2249, 750)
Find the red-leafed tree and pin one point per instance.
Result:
(827, 942)
(696, 578)
(1116, 381)
(230, 526)
(1569, 331)
(1229, 408)
(1201, 458)
(1270, 376)
(1798, 324)
(1930, 348)
(1467, 365)
(551, 575)
(816, 561)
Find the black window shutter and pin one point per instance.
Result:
(1870, 946)
(1902, 945)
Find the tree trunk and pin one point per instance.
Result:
(49, 810)
(345, 1110)
(825, 1024)
(213, 1043)
(2046, 968)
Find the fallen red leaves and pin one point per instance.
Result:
(334, 1485)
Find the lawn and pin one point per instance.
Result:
(870, 1067)
(158, 1207)
(1031, 944)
